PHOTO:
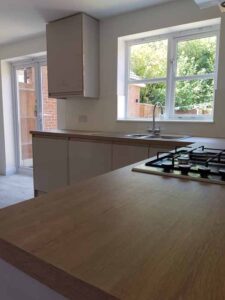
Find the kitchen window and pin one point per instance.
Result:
(179, 70)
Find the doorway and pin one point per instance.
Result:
(33, 109)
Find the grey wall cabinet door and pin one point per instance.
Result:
(65, 56)
(124, 155)
(88, 159)
(50, 163)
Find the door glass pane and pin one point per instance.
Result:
(196, 56)
(194, 97)
(49, 105)
(27, 110)
(148, 60)
(143, 97)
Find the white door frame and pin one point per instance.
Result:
(35, 62)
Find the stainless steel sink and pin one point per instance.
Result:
(160, 137)
(137, 135)
(166, 137)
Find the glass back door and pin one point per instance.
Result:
(27, 113)
(34, 110)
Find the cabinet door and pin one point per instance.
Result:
(50, 163)
(153, 150)
(65, 56)
(91, 56)
(124, 155)
(88, 159)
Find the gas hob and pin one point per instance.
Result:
(200, 163)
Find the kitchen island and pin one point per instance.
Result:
(122, 235)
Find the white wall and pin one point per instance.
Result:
(10, 163)
(102, 113)
(9, 53)
(2, 137)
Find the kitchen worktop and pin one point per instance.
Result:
(123, 137)
(123, 235)
(107, 136)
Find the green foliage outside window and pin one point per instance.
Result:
(194, 57)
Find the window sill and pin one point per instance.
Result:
(167, 121)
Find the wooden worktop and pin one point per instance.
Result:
(120, 137)
(123, 235)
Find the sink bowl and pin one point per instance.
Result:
(160, 137)
(137, 135)
(166, 137)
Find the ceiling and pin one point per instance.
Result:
(23, 18)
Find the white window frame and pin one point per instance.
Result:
(173, 40)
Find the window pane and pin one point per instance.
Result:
(143, 97)
(148, 60)
(194, 97)
(195, 57)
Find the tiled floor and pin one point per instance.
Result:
(14, 189)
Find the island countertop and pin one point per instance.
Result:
(123, 235)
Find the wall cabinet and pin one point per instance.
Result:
(124, 155)
(50, 164)
(73, 57)
(88, 159)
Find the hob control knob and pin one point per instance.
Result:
(204, 172)
(222, 173)
(185, 169)
(167, 167)
(183, 160)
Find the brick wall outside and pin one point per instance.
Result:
(137, 109)
(49, 104)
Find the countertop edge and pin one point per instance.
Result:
(56, 279)
(111, 138)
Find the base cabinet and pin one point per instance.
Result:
(59, 162)
(38, 193)
(124, 155)
(16, 285)
(88, 159)
(153, 151)
(50, 163)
